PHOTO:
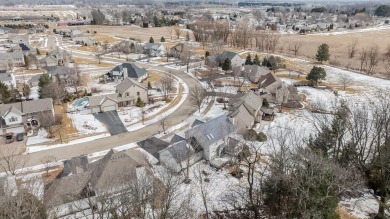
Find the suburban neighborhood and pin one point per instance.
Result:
(194, 109)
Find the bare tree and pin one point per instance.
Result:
(166, 84)
(373, 58)
(47, 160)
(11, 159)
(386, 61)
(52, 124)
(296, 47)
(345, 80)
(363, 59)
(164, 123)
(177, 32)
(352, 49)
(201, 177)
(197, 94)
(53, 90)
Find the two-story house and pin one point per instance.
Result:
(14, 116)
(128, 70)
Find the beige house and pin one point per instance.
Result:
(129, 90)
(127, 93)
(245, 111)
(103, 103)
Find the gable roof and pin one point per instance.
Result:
(6, 77)
(268, 79)
(60, 70)
(133, 71)
(176, 138)
(15, 110)
(16, 55)
(228, 54)
(196, 123)
(180, 151)
(153, 145)
(126, 84)
(211, 131)
(112, 171)
(250, 101)
(32, 106)
(98, 100)
(76, 165)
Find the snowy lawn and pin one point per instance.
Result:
(215, 111)
(86, 124)
(41, 137)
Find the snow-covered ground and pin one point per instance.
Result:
(361, 207)
(133, 114)
(33, 149)
(41, 137)
(86, 124)
(34, 93)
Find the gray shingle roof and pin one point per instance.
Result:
(133, 71)
(176, 138)
(180, 151)
(196, 123)
(60, 70)
(211, 131)
(126, 84)
(98, 100)
(228, 54)
(33, 106)
(5, 77)
(153, 145)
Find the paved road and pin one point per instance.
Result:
(181, 114)
(112, 122)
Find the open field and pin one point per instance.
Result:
(92, 62)
(338, 44)
(128, 31)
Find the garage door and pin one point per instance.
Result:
(108, 108)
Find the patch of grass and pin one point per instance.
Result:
(67, 127)
(153, 77)
(106, 38)
(85, 48)
(91, 62)
(344, 214)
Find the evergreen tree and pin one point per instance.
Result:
(139, 102)
(149, 85)
(227, 65)
(5, 93)
(151, 40)
(162, 39)
(316, 75)
(248, 60)
(43, 80)
(256, 60)
(323, 53)
(207, 54)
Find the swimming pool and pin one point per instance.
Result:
(80, 102)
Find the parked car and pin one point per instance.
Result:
(19, 137)
(9, 138)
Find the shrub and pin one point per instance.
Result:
(261, 137)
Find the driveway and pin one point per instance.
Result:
(112, 122)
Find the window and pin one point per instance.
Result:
(13, 119)
(127, 94)
(137, 93)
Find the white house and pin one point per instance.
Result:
(154, 50)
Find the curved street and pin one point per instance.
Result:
(182, 113)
